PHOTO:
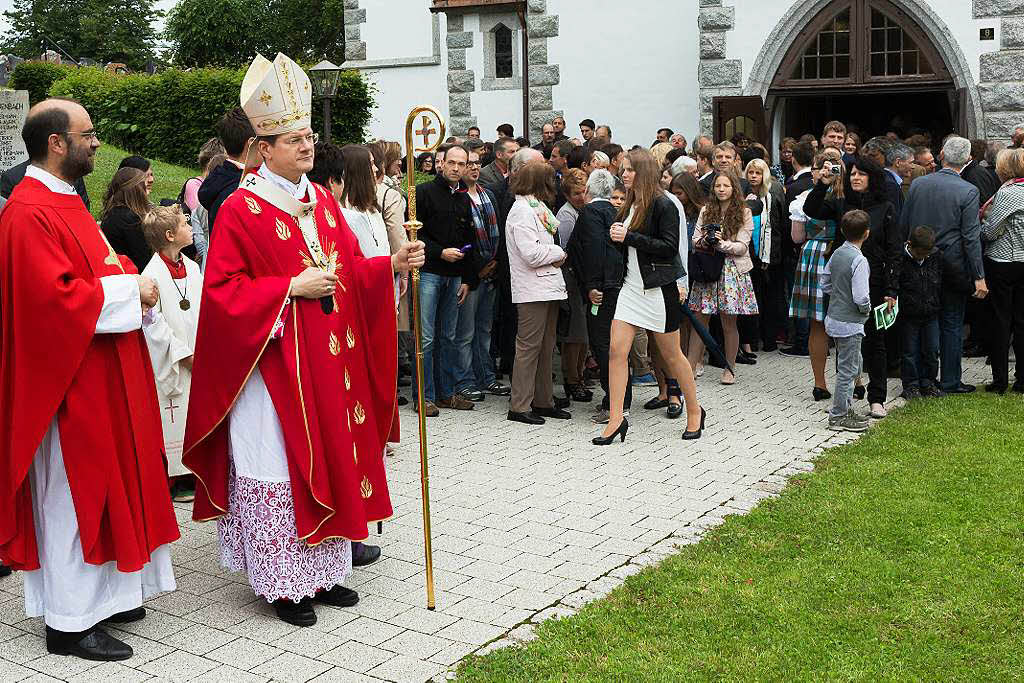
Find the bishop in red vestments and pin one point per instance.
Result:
(84, 506)
(293, 385)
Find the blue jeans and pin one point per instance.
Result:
(951, 339)
(920, 342)
(475, 367)
(439, 314)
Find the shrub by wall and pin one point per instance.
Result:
(169, 115)
(37, 78)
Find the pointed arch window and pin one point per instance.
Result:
(861, 41)
(504, 57)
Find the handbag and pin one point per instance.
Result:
(705, 265)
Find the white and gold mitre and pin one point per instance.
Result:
(276, 96)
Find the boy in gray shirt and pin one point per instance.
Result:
(845, 279)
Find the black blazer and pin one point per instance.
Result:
(657, 245)
(124, 232)
(16, 174)
(983, 178)
(600, 264)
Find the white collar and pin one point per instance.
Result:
(52, 182)
(599, 199)
(805, 169)
(296, 190)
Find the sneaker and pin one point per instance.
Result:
(931, 391)
(473, 395)
(878, 411)
(699, 371)
(911, 393)
(496, 388)
(601, 417)
(429, 408)
(851, 422)
(794, 351)
(456, 402)
(647, 380)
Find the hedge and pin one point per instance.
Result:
(169, 115)
(37, 78)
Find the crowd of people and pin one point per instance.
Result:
(280, 273)
(752, 265)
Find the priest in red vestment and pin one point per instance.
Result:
(293, 384)
(84, 506)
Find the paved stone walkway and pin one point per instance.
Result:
(529, 523)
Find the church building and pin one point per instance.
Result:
(768, 68)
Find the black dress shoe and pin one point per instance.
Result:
(821, 394)
(996, 388)
(295, 613)
(402, 400)
(95, 644)
(526, 418)
(578, 393)
(745, 359)
(619, 431)
(5, 570)
(363, 554)
(674, 410)
(1018, 387)
(656, 403)
(858, 392)
(137, 614)
(962, 389)
(696, 434)
(556, 413)
(561, 402)
(339, 596)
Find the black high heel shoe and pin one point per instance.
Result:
(674, 410)
(606, 440)
(692, 436)
(821, 394)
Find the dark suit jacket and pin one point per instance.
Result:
(947, 204)
(15, 174)
(492, 178)
(601, 265)
(983, 178)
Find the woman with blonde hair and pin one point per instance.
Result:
(600, 160)
(124, 205)
(767, 251)
(648, 232)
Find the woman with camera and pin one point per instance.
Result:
(818, 237)
(648, 235)
(724, 228)
(865, 189)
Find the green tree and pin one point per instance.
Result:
(118, 31)
(215, 32)
(104, 30)
(231, 32)
(39, 25)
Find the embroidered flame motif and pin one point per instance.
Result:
(366, 488)
(350, 338)
(335, 345)
(359, 413)
(355, 456)
(330, 220)
(283, 231)
(254, 207)
(348, 381)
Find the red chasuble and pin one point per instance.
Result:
(331, 376)
(100, 387)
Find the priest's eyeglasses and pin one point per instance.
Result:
(312, 139)
(88, 135)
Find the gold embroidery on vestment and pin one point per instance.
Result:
(350, 338)
(359, 413)
(283, 231)
(254, 207)
(330, 220)
(355, 454)
(366, 488)
(266, 98)
(334, 345)
(348, 381)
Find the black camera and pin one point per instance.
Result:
(711, 231)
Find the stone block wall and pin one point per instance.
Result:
(1002, 72)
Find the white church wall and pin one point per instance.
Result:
(630, 65)
(491, 108)
(401, 32)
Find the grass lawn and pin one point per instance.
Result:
(167, 178)
(900, 557)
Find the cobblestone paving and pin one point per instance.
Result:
(529, 523)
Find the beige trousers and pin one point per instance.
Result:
(535, 345)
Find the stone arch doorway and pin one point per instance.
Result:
(879, 64)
